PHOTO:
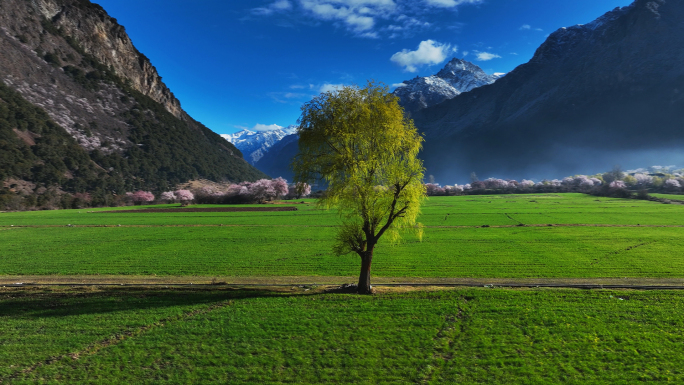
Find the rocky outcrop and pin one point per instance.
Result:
(102, 37)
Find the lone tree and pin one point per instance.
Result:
(359, 142)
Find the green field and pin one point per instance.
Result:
(471, 336)
(218, 334)
(528, 236)
(669, 196)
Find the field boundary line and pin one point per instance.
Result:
(401, 284)
(7, 227)
(116, 339)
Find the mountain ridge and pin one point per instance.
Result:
(456, 77)
(587, 97)
(255, 144)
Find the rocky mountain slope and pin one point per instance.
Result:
(608, 92)
(255, 144)
(456, 77)
(71, 77)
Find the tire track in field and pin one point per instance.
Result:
(612, 253)
(115, 340)
(454, 326)
(514, 220)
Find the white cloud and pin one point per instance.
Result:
(327, 87)
(265, 127)
(277, 6)
(450, 3)
(465, 53)
(373, 18)
(397, 85)
(294, 95)
(499, 74)
(527, 27)
(514, 53)
(357, 16)
(485, 56)
(429, 52)
(282, 5)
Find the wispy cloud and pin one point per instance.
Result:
(258, 127)
(277, 6)
(450, 3)
(486, 56)
(357, 16)
(527, 27)
(327, 87)
(364, 18)
(429, 52)
(405, 26)
(265, 127)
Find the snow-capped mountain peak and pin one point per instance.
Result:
(456, 77)
(254, 144)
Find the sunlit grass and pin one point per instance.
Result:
(570, 235)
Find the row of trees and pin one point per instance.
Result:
(263, 190)
(260, 191)
(615, 179)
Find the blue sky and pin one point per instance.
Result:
(237, 64)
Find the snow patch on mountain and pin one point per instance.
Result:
(456, 77)
(254, 144)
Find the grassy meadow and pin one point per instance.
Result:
(669, 196)
(471, 336)
(502, 236)
(219, 334)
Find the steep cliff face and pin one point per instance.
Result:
(102, 37)
(76, 67)
(594, 95)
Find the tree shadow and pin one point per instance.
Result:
(46, 302)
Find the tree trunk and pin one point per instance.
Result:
(364, 277)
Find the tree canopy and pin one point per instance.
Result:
(359, 142)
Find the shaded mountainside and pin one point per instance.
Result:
(276, 162)
(594, 95)
(82, 109)
(457, 76)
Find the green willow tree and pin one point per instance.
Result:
(361, 145)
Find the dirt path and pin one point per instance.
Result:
(311, 281)
(427, 227)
